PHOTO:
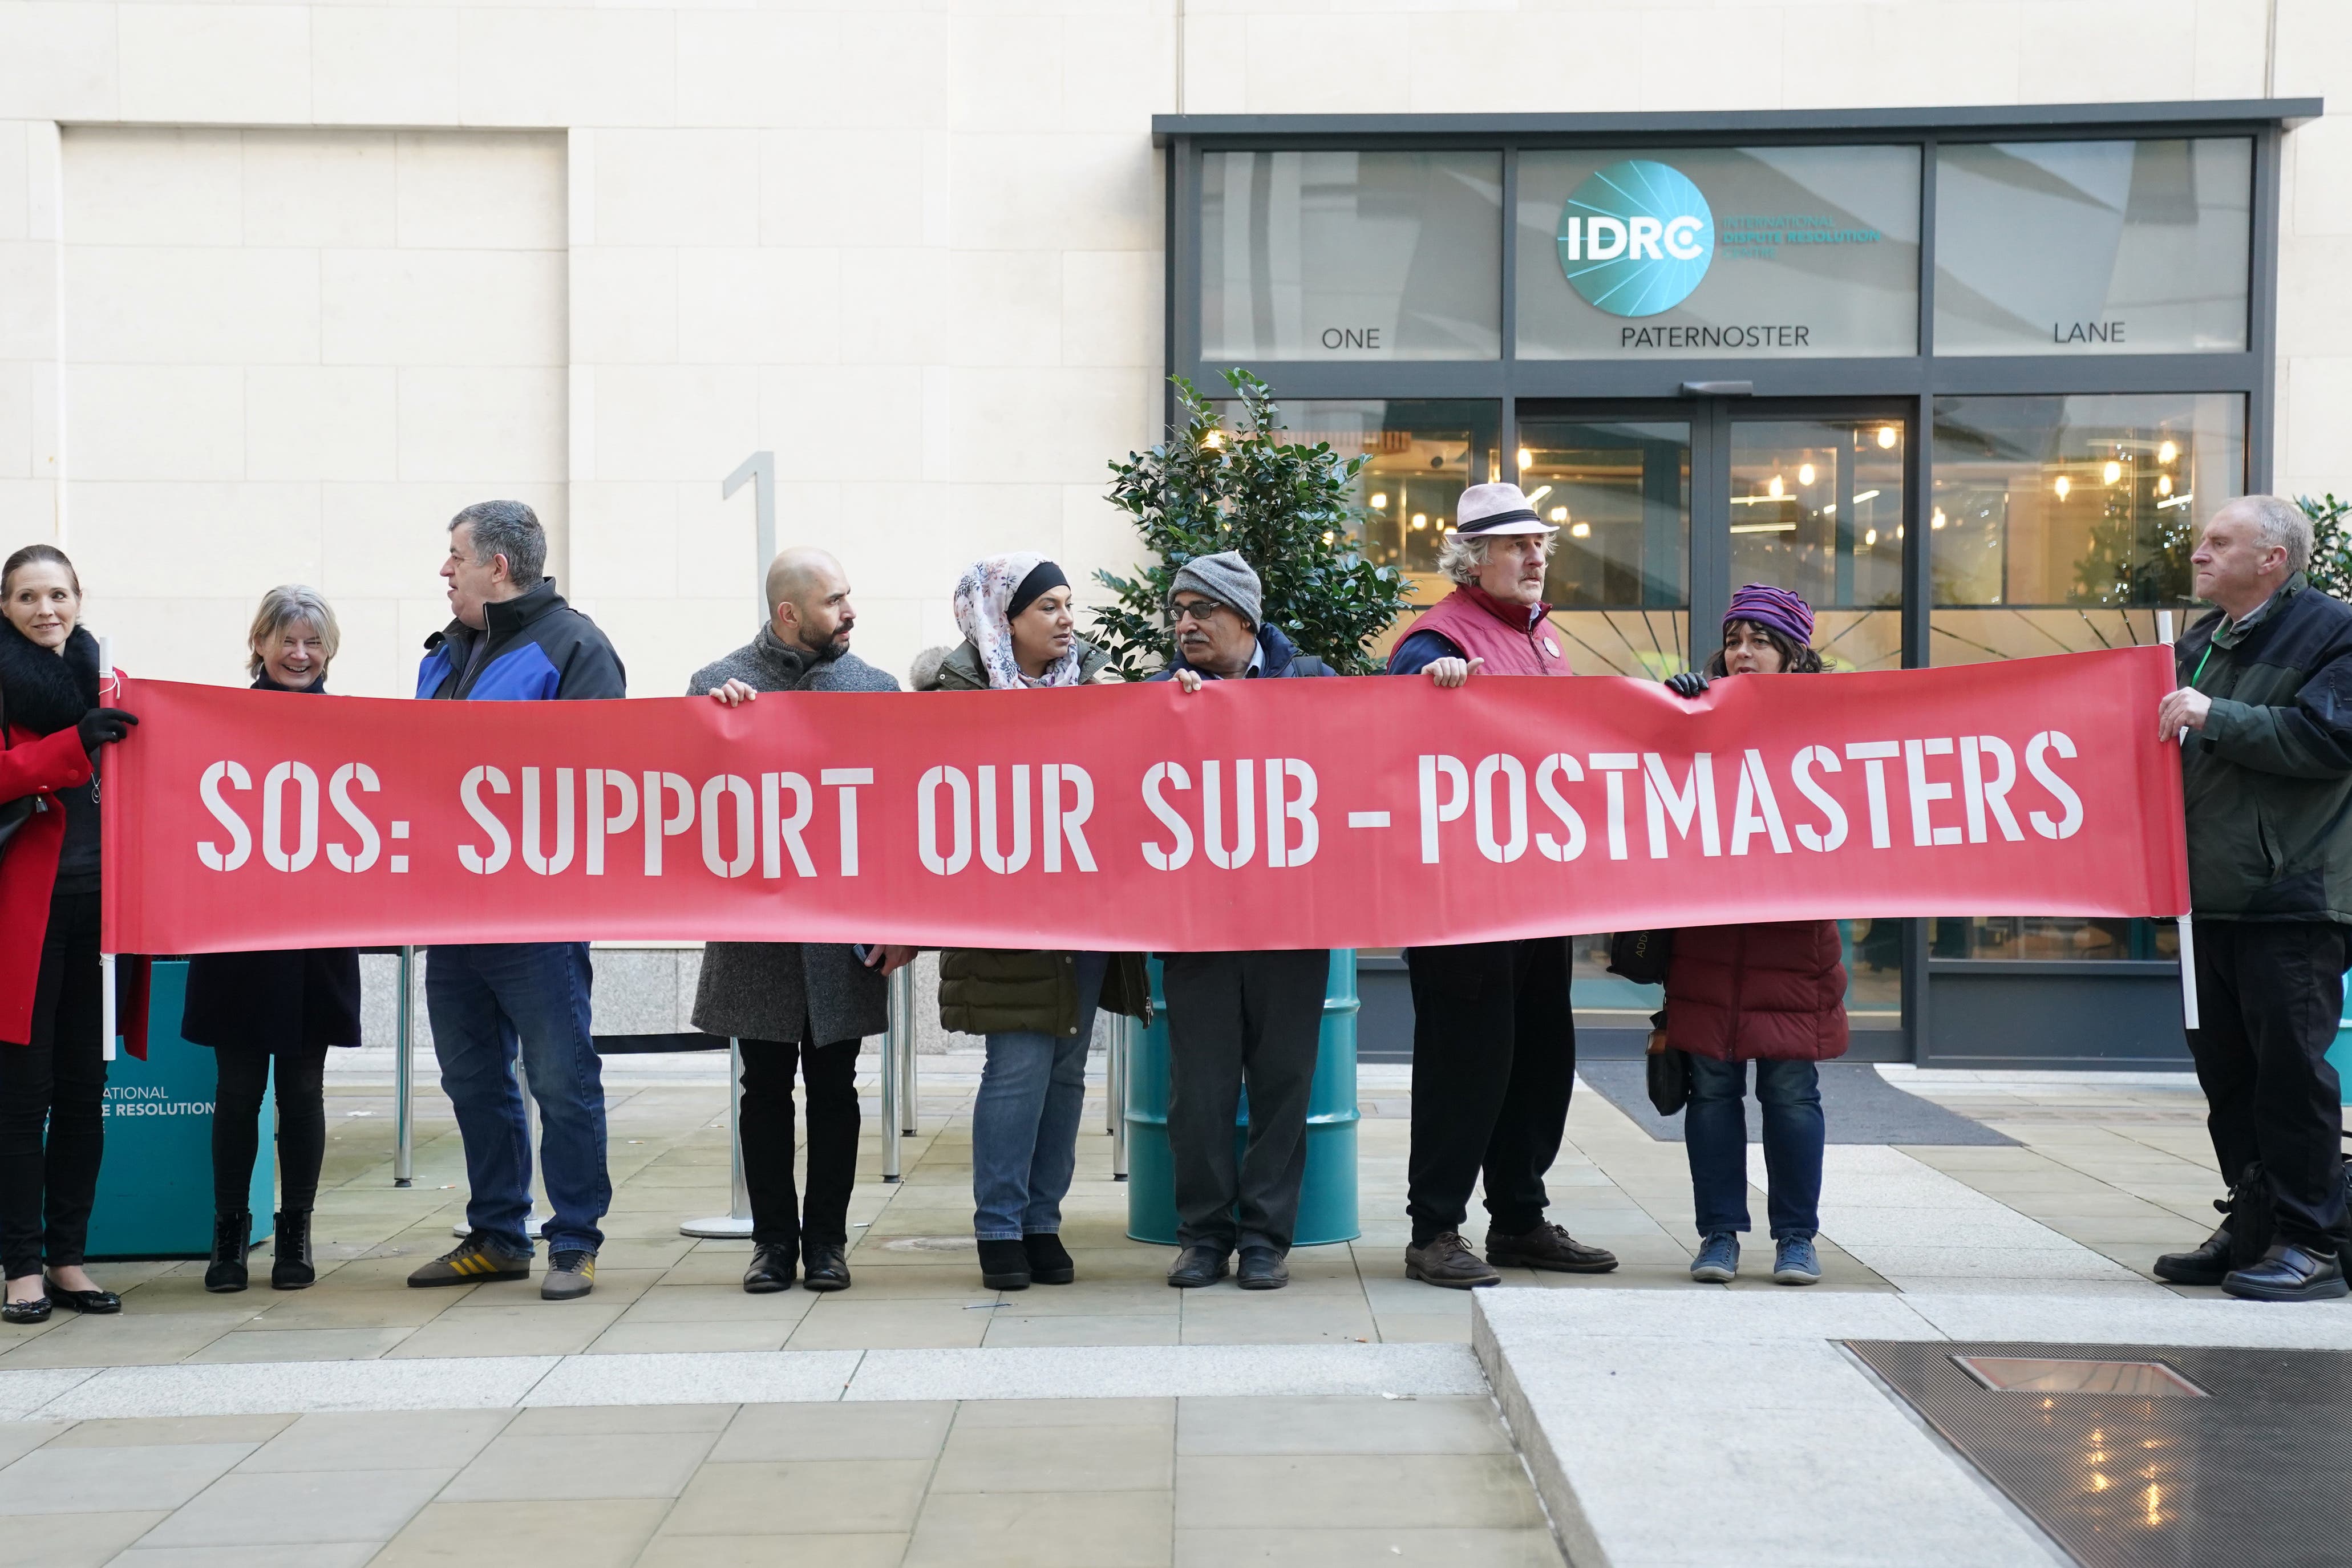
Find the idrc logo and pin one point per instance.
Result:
(1636, 238)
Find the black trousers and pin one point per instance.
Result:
(1494, 1062)
(236, 1124)
(56, 1083)
(1236, 1018)
(831, 1073)
(2269, 993)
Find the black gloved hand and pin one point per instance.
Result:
(1689, 684)
(103, 726)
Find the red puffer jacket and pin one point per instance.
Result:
(1740, 993)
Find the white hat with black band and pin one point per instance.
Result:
(1487, 509)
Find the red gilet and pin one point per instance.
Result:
(1514, 639)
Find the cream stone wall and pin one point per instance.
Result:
(914, 250)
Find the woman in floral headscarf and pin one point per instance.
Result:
(1035, 1008)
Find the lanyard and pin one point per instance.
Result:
(2201, 666)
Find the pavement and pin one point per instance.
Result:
(671, 1419)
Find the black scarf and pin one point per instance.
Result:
(42, 692)
(262, 683)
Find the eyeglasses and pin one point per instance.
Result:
(1198, 610)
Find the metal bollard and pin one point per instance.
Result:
(890, 1095)
(902, 1025)
(736, 1223)
(404, 1079)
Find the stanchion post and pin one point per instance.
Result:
(890, 1090)
(403, 1076)
(736, 1223)
(2187, 926)
(1122, 1033)
(902, 1022)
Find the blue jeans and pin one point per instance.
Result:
(1025, 1121)
(484, 1001)
(1714, 1128)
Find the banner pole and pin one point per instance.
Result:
(1122, 1040)
(902, 1025)
(404, 1077)
(2188, 927)
(108, 1023)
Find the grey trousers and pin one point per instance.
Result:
(1236, 1017)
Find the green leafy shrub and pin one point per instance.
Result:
(1286, 507)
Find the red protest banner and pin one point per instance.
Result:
(1304, 813)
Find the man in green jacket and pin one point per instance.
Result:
(2267, 773)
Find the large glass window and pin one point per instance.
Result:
(1351, 256)
(2092, 247)
(2060, 525)
(1619, 493)
(1816, 508)
(1768, 252)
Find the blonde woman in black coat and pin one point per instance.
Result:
(282, 1011)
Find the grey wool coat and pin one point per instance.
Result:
(814, 993)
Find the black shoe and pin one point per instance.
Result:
(1547, 1246)
(1198, 1266)
(2286, 1273)
(1049, 1260)
(823, 1265)
(2204, 1264)
(35, 1311)
(770, 1270)
(225, 1272)
(290, 1267)
(1004, 1265)
(1262, 1269)
(101, 1304)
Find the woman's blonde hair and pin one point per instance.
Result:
(282, 607)
(1460, 555)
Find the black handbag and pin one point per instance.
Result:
(1641, 956)
(1669, 1070)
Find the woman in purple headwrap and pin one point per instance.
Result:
(1770, 992)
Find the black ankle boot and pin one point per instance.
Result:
(1003, 1265)
(290, 1269)
(231, 1233)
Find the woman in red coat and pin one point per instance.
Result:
(1768, 992)
(52, 1062)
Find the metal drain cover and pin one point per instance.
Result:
(2061, 1374)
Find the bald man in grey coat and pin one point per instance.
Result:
(805, 1003)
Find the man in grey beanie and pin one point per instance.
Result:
(1236, 1017)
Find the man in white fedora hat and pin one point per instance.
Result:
(1494, 1039)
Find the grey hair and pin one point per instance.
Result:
(285, 606)
(508, 529)
(2283, 525)
(1460, 555)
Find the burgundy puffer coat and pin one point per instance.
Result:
(1740, 993)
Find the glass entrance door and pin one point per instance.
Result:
(1665, 509)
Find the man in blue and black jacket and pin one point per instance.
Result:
(514, 639)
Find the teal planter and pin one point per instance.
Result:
(155, 1188)
(1326, 1200)
(2339, 1055)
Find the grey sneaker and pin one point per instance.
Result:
(1446, 1260)
(1717, 1262)
(472, 1262)
(1794, 1261)
(569, 1276)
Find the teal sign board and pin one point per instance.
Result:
(1636, 237)
(155, 1189)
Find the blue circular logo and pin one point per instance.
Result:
(1636, 238)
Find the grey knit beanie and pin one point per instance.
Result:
(1226, 578)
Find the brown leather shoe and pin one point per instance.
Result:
(1548, 1246)
(1446, 1260)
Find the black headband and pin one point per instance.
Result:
(1043, 578)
